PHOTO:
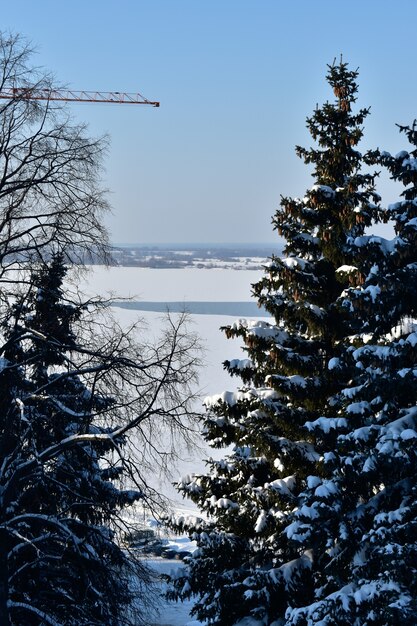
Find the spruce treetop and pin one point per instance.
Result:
(257, 554)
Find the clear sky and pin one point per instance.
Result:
(236, 80)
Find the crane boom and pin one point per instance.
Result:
(115, 97)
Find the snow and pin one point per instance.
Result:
(326, 489)
(392, 516)
(278, 464)
(228, 285)
(171, 613)
(313, 481)
(386, 245)
(304, 561)
(316, 309)
(343, 596)
(380, 352)
(292, 262)
(374, 291)
(370, 590)
(260, 328)
(296, 531)
(403, 372)
(408, 433)
(346, 269)
(351, 392)
(30, 608)
(326, 424)
(327, 191)
(241, 364)
(226, 503)
(181, 544)
(358, 408)
(282, 485)
(194, 285)
(412, 339)
(165, 285)
(190, 284)
(308, 511)
(297, 380)
(261, 522)
(333, 363)
(369, 465)
(232, 397)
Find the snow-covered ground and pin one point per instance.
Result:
(165, 285)
(171, 613)
(189, 284)
(160, 285)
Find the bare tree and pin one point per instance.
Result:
(49, 168)
(85, 406)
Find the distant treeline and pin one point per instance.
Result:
(214, 256)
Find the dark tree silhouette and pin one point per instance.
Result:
(87, 409)
(75, 405)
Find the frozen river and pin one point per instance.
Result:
(214, 298)
(218, 298)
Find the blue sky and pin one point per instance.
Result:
(236, 80)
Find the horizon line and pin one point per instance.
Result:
(197, 243)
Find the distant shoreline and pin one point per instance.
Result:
(202, 256)
(194, 245)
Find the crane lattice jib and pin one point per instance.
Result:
(115, 97)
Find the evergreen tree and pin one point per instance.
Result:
(372, 577)
(71, 394)
(64, 563)
(256, 556)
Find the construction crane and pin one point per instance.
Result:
(65, 95)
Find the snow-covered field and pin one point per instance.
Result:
(174, 285)
(189, 284)
(165, 285)
(171, 613)
(161, 285)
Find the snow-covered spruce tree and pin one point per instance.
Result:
(63, 565)
(372, 576)
(250, 561)
(68, 400)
